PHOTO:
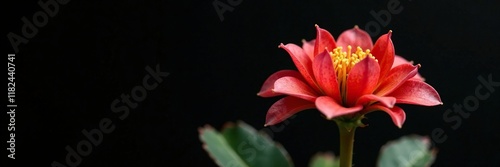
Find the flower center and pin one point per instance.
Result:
(343, 62)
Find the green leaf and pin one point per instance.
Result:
(324, 160)
(240, 145)
(408, 151)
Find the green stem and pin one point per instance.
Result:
(346, 144)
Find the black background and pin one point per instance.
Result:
(92, 52)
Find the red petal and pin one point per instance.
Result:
(418, 77)
(285, 108)
(355, 37)
(416, 92)
(294, 87)
(325, 75)
(324, 40)
(301, 61)
(308, 47)
(398, 60)
(385, 101)
(332, 109)
(266, 90)
(383, 50)
(397, 114)
(397, 76)
(362, 79)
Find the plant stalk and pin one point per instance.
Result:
(346, 145)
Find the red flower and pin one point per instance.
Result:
(346, 79)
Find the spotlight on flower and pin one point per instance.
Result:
(346, 79)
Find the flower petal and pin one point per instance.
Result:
(331, 109)
(397, 114)
(308, 47)
(397, 76)
(398, 60)
(362, 79)
(383, 100)
(416, 92)
(324, 40)
(301, 61)
(383, 50)
(266, 90)
(326, 76)
(294, 87)
(355, 37)
(286, 107)
(418, 77)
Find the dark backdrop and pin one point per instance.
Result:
(90, 53)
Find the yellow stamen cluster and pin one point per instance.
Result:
(343, 62)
